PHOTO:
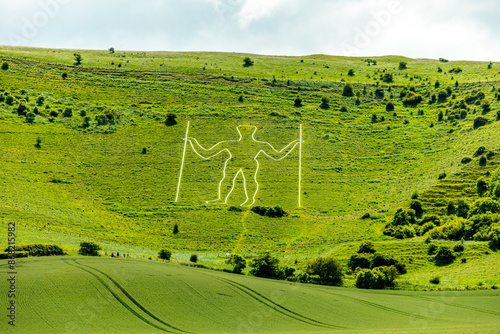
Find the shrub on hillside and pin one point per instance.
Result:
(89, 248)
(247, 62)
(238, 263)
(171, 119)
(348, 90)
(265, 266)
(453, 230)
(444, 255)
(435, 219)
(276, 211)
(328, 270)
(417, 206)
(325, 103)
(359, 261)
(164, 254)
(366, 247)
(480, 121)
(389, 106)
(478, 226)
(378, 278)
(385, 260)
(5, 66)
(412, 99)
(481, 184)
(388, 77)
(297, 102)
(484, 205)
(39, 249)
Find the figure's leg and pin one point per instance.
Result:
(226, 184)
(251, 184)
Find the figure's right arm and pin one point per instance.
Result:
(203, 152)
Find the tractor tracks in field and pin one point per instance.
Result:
(124, 298)
(277, 307)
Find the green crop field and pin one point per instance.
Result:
(94, 152)
(82, 295)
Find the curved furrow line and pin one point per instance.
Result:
(382, 307)
(132, 299)
(471, 308)
(281, 309)
(120, 300)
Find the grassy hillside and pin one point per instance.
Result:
(107, 295)
(89, 178)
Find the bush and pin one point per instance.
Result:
(403, 232)
(462, 208)
(68, 112)
(427, 227)
(480, 121)
(366, 247)
(5, 66)
(378, 278)
(164, 254)
(435, 280)
(238, 263)
(412, 99)
(297, 102)
(431, 250)
(348, 90)
(7, 255)
(193, 258)
(379, 93)
(78, 58)
(388, 77)
(30, 117)
(402, 65)
(343, 109)
(247, 62)
(435, 219)
(359, 261)
(417, 206)
(64, 76)
(483, 206)
(351, 72)
(325, 103)
(481, 185)
(385, 260)
(444, 255)
(89, 248)
(21, 109)
(175, 229)
(389, 106)
(276, 211)
(39, 250)
(171, 119)
(265, 266)
(40, 101)
(453, 230)
(480, 151)
(328, 270)
(478, 226)
(459, 246)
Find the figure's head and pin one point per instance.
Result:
(246, 131)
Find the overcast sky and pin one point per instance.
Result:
(453, 29)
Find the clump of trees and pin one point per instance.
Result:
(164, 254)
(247, 62)
(89, 248)
(39, 249)
(272, 211)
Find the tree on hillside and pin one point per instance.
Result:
(328, 270)
(265, 266)
(402, 65)
(89, 248)
(111, 50)
(348, 90)
(238, 263)
(5, 66)
(247, 62)
(78, 58)
(164, 254)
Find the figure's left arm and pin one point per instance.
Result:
(272, 153)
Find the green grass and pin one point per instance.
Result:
(94, 183)
(104, 295)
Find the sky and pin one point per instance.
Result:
(452, 29)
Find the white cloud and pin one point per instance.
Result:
(253, 10)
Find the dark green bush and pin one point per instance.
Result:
(378, 278)
(164, 254)
(171, 119)
(389, 106)
(444, 255)
(238, 263)
(366, 247)
(348, 90)
(480, 121)
(388, 77)
(385, 260)
(275, 211)
(265, 266)
(328, 270)
(297, 102)
(435, 280)
(432, 249)
(247, 62)
(68, 112)
(325, 103)
(193, 258)
(89, 248)
(417, 206)
(481, 184)
(39, 249)
(5, 66)
(484, 205)
(175, 229)
(359, 261)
